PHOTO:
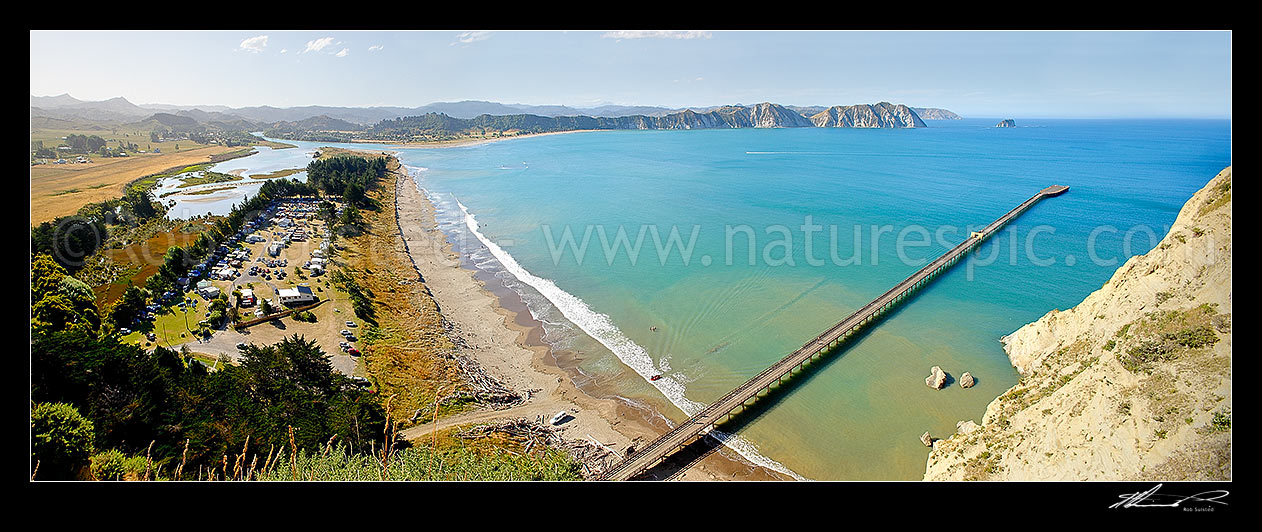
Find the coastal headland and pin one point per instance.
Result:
(1133, 383)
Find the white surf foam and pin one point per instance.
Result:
(602, 329)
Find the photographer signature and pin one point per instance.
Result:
(1152, 499)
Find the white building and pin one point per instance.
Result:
(295, 295)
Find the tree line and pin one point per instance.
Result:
(164, 404)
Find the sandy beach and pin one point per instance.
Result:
(506, 342)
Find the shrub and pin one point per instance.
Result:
(1195, 337)
(1150, 351)
(114, 465)
(1221, 421)
(61, 440)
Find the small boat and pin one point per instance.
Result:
(655, 377)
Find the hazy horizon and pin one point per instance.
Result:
(1030, 74)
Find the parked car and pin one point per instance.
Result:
(353, 352)
(351, 324)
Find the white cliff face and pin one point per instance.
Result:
(881, 115)
(1133, 383)
(766, 115)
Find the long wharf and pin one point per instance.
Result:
(742, 395)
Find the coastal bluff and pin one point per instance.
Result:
(934, 113)
(880, 115)
(1133, 383)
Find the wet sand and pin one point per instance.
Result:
(507, 342)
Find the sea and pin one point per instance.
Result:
(704, 256)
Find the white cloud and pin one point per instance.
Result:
(375, 47)
(343, 52)
(471, 37)
(254, 44)
(283, 50)
(657, 34)
(317, 45)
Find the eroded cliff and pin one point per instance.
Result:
(1134, 383)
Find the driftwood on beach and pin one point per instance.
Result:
(483, 388)
(477, 386)
(594, 457)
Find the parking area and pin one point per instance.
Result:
(281, 260)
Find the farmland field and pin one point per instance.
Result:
(62, 189)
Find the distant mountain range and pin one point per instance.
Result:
(119, 110)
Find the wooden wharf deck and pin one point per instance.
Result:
(742, 395)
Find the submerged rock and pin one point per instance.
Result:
(936, 378)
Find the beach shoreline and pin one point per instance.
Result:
(506, 341)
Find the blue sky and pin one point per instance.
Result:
(1019, 74)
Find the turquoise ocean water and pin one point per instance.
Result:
(779, 233)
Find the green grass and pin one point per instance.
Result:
(208, 191)
(146, 183)
(168, 325)
(1222, 197)
(278, 173)
(206, 177)
(1164, 335)
(423, 463)
(52, 137)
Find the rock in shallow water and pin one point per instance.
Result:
(936, 378)
(966, 380)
